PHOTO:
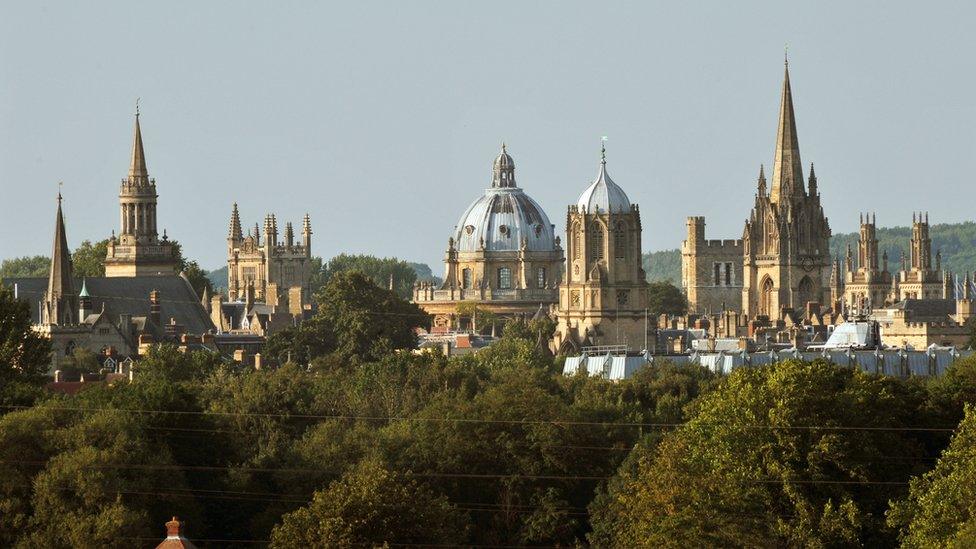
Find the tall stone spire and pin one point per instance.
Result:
(137, 165)
(787, 169)
(60, 286)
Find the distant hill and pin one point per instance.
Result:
(956, 240)
(218, 277)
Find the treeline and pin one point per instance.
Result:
(357, 442)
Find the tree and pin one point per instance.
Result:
(24, 353)
(793, 454)
(379, 270)
(89, 259)
(940, 509)
(198, 278)
(355, 318)
(371, 506)
(666, 298)
(36, 266)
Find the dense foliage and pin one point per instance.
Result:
(359, 442)
(25, 267)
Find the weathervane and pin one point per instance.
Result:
(137, 106)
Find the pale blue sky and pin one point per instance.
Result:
(381, 119)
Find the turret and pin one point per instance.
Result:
(812, 182)
(289, 235)
(84, 302)
(307, 235)
(235, 235)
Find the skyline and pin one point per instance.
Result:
(390, 173)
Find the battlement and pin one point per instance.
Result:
(730, 243)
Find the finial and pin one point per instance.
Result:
(603, 149)
(503, 147)
(786, 54)
(60, 184)
(137, 107)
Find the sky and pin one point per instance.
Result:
(381, 119)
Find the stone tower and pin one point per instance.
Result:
(867, 282)
(786, 257)
(271, 270)
(138, 250)
(60, 300)
(603, 297)
(920, 279)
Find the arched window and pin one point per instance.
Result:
(620, 240)
(575, 235)
(805, 291)
(504, 278)
(766, 297)
(466, 278)
(540, 277)
(596, 242)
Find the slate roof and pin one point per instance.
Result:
(128, 295)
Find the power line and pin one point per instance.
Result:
(555, 422)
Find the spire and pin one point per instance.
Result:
(235, 232)
(812, 184)
(137, 165)
(59, 281)
(787, 169)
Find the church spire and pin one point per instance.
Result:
(787, 169)
(60, 286)
(137, 165)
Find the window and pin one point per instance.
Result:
(504, 278)
(728, 274)
(540, 277)
(576, 242)
(466, 278)
(596, 242)
(247, 273)
(620, 241)
(717, 278)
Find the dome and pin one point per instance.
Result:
(603, 194)
(504, 216)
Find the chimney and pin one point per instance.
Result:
(154, 307)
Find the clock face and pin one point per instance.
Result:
(807, 264)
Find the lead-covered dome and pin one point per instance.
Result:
(504, 216)
(603, 194)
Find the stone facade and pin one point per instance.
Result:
(711, 271)
(271, 270)
(603, 298)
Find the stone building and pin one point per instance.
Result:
(138, 250)
(867, 281)
(919, 278)
(270, 270)
(603, 298)
(503, 257)
(785, 259)
(114, 317)
(711, 271)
